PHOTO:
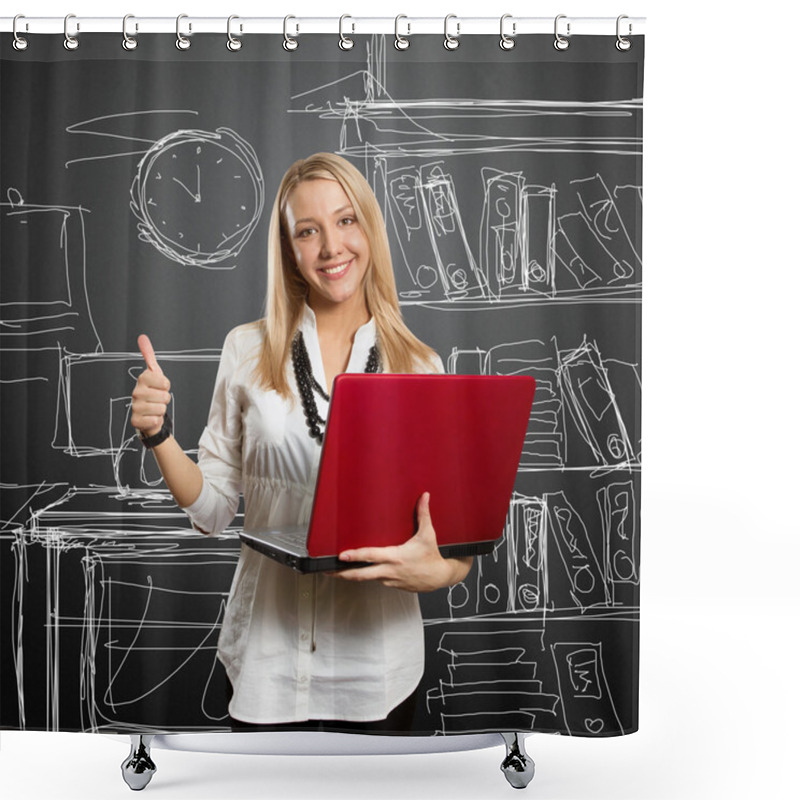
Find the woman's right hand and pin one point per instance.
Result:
(151, 395)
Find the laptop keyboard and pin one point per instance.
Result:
(294, 539)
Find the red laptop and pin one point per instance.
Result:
(388, 439)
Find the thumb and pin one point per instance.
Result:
(148, 354)
(424, 511)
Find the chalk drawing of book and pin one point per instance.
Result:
(592, 244)
(530, 240)
(576, 419)
(586, 702)
(492, 683)
(552, 558)
(617, 503)
(516, 234)
(424, 215)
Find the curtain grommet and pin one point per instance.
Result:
(623, 44)
(129, 42)
(20, 42)
(507, 41)
(71, 42)
(234, 43)
(451, 42)
(289, 43)
(401, 42)
(181, 42)
(560, 42)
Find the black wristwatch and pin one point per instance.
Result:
(166, 431)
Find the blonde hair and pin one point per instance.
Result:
(400, 350)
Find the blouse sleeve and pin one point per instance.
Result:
(220, 451)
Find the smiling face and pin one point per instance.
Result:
(329, 245)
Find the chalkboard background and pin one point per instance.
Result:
(511, 187)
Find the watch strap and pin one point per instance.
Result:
(150, 442)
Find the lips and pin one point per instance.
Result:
(337, 270)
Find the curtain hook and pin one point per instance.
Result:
(451, 42)
(561, 43)
(129, 42)
(70, 42)
(622, 43)
(345, 43)
(401, 42)
(20, 43)
(182, 43)
(234, 42)
(288, 42)
(507, 42)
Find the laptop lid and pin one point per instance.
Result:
(390, 438)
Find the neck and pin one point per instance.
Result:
(340, 321)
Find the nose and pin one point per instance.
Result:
(331, 242)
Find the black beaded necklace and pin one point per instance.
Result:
(307, 383)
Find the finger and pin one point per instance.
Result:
(371, 573)
(148, 354)
(424, 509)
(375, 555)
(425, 530)
(151, 409)
(150, 381)
(154, 390)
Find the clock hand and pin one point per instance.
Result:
(198, 183)
(195, 197)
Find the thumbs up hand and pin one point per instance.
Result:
(151, 395)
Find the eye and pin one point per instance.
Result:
(347, 220)
(304, 233)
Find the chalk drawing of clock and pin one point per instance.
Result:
(198, 196)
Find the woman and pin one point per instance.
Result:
(342, 651)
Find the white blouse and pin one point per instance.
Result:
(295, 646)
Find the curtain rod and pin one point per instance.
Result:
(347, 25)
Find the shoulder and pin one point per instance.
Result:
(241, 351)
(243, 339)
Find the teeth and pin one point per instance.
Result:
(335, 270)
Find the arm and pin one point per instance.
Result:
(209, 490)
(149, 404)
(415, 566)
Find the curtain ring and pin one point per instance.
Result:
(622, 43)
(560, 42)
(507, 42)
(288, 42)
(20, 42)
(234, 42)
(451, 42)
(401, 42)
(129, 42)
(70, 42)
(182, 43)
(345, 43)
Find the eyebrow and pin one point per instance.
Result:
(348, 207)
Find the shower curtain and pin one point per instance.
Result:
(136, 192)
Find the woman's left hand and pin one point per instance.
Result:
(415, 566)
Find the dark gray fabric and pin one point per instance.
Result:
(511, 187)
